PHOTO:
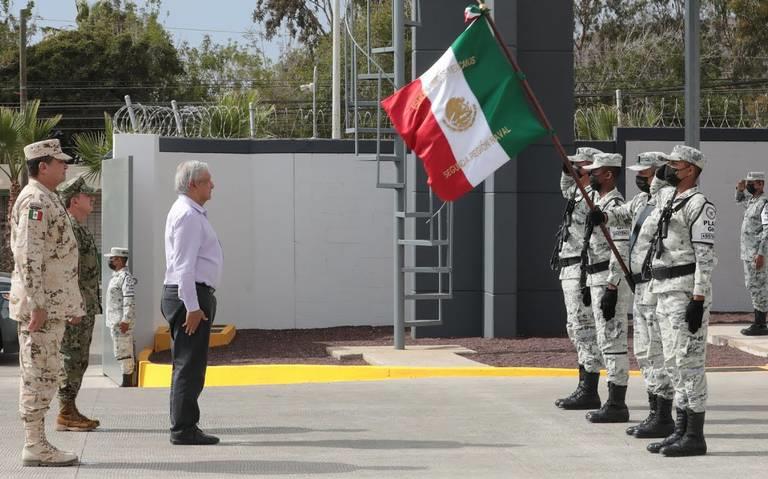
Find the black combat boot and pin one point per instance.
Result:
(662, 425)
(614, 409)
(652, 407)
(681, 423)
(692, 443)
(127, 381)
(586, 397)
(582, 371)
(758, 328)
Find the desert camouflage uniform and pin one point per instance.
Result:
(580, 321)
(75, 348)
(612, 333)
(690, 240)
(754, 241)
(647, 334)
(121, 308)
(45, 277)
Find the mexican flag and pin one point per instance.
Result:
(466, 115)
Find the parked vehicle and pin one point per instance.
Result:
(9, 341)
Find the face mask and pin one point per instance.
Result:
(751, 188)
(642, 184)
(670, 176)
(111, 266)
(594, 182)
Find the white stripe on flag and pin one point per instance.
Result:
(474, 148)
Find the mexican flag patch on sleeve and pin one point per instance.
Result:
(35, 214)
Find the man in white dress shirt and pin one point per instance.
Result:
(193, 259)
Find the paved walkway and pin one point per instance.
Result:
(442, 356)
(729, 335)
(428, 428)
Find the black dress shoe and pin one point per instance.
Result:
(193, 437)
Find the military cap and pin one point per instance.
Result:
(117, 251)
(755, 176)
(649, 159)
(605, 159)
(44, 149)
(584, 154)
(687, 154)
(74, 186)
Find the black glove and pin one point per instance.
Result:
(694, 313)
(586, 296)
(660, 172)
(596, 217)
(608, 303)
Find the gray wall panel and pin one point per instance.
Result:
(545, 25)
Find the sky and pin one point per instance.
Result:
(186, 20)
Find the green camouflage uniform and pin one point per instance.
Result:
(75, 347)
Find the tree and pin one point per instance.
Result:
(116, 49)
(92, 148)
(306, 20)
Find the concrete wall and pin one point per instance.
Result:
(307, 238)
(503, 235)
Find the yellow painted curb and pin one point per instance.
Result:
(159, 375)
(220, 336)
(144, 355)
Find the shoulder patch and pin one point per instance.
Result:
(764, 214)
(703, 229)
(35, 212)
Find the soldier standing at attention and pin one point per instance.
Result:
(754, 247)
(75, 348)
(608, 289)
(680, 264)
(647, 335)
(44, 294)
(121, 312)
(566, 259)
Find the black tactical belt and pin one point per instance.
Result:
(565, 262)
(673, 271)
(638, 279)
(597, 267)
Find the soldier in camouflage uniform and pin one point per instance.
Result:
(44, 294)
(754, 247)
(680, 264)
(121, 312)
(608, 289)
(75, 348)
(567, 260)
(647, 334)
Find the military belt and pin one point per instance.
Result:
(673, 271)
(638, 279)
(565, 262)
(597, 267)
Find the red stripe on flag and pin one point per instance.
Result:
(411, 114)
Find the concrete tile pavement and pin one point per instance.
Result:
(428, 428)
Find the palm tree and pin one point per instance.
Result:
(17, 129)
(92, 148)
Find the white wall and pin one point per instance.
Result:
(727, 162)
(307, 238)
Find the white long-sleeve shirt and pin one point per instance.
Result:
(192, 250)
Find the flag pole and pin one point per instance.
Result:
(556, 141)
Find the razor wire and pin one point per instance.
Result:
(228, 121)
(594, 116)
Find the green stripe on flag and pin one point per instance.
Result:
(497, 87)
